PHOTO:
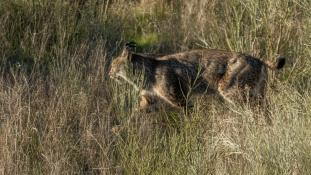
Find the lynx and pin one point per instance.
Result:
(174, 78)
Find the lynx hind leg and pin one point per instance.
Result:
(229, 88)
(258, 101)
(260, 104)
(229, 91)
(235, 91)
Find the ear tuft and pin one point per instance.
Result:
(130, 45)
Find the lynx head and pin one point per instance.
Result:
(120, 66)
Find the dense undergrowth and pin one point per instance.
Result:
(61, 114)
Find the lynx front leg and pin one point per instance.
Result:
(146, 102)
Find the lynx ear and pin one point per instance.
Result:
(131, 45)
(128, 49)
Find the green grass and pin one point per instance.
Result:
(61, 114)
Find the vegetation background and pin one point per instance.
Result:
(61, 114)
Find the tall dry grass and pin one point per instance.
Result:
(61, 114)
